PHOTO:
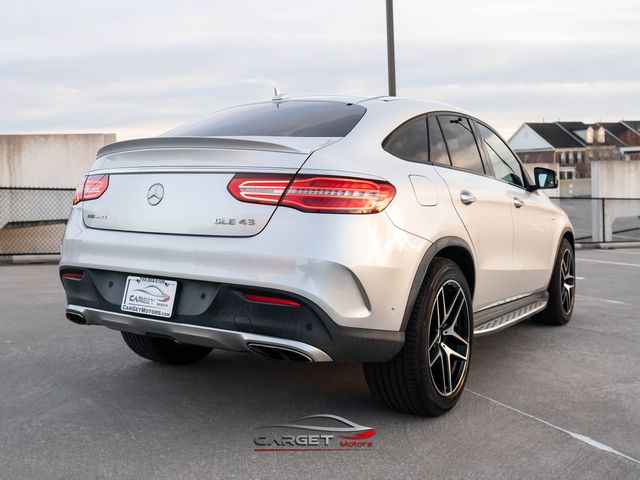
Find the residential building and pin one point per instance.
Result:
(574, 145)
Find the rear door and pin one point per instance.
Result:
(482, 203)
(533, 217)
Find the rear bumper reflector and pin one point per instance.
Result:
(274, 300)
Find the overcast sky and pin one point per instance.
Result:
(138, 68)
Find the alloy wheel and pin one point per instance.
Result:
(449, 338)
(567, 280)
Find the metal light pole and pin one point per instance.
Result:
(391, 55)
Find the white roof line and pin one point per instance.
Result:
(525, 124)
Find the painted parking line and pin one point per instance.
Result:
(582, 438)
(622, 252)
(607, 262)
(608, 300)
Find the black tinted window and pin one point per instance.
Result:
(410, 142)
(504, 163)
(286, 119)
(461, 143)
(437, 148)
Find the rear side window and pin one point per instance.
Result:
(410, 142)
(437, 148)
(286, 119)
(461, 143)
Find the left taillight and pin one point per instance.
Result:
(314, 193)
(90, 188)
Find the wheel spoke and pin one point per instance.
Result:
(433, 342)
(450, 352)
(435, 358)
(444, 375)
(439, 307)
(452, 306)
(457, 305)
(446, 365)
(452, 333)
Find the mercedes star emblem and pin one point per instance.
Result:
(155, 194)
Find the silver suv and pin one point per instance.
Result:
(376, 230)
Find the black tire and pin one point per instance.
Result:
(559, 310)
(407, 382)
(163, 350)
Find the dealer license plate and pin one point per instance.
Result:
(149, 296)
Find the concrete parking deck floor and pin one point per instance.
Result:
(542, 402)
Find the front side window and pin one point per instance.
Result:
(505, 165)
(294, 118)
(461, 143)
(410, 142)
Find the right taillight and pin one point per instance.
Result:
(90, 188)
(314, 193)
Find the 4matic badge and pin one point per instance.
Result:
(342, 434)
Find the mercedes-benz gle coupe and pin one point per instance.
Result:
(377, 230)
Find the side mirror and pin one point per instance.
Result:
(545, 178)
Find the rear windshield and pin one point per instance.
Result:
(287, 119)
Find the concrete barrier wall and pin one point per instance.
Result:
(577, 187)
(48, 160)
(32, 221)
(619, 180)
(615, 179)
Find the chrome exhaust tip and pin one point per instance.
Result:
(278, 353)
(75, 317)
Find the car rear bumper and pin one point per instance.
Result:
(358, 269)
(222, 316)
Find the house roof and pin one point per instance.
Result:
(634, 124)
(566, 134)
(617, 128)
(556, 135)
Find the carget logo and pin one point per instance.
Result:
(341, 435)
(155, 292)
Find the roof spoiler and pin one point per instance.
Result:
(193, 142)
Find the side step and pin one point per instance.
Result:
(517, 313)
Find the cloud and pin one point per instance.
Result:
(141, 67)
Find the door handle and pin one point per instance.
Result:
(467, 197)
(517, 202)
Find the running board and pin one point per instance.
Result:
(507, 319)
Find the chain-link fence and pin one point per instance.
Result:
(603, 220)
(32, 220)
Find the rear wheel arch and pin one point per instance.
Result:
(452, 248)
(568, 234)
(461, 257)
